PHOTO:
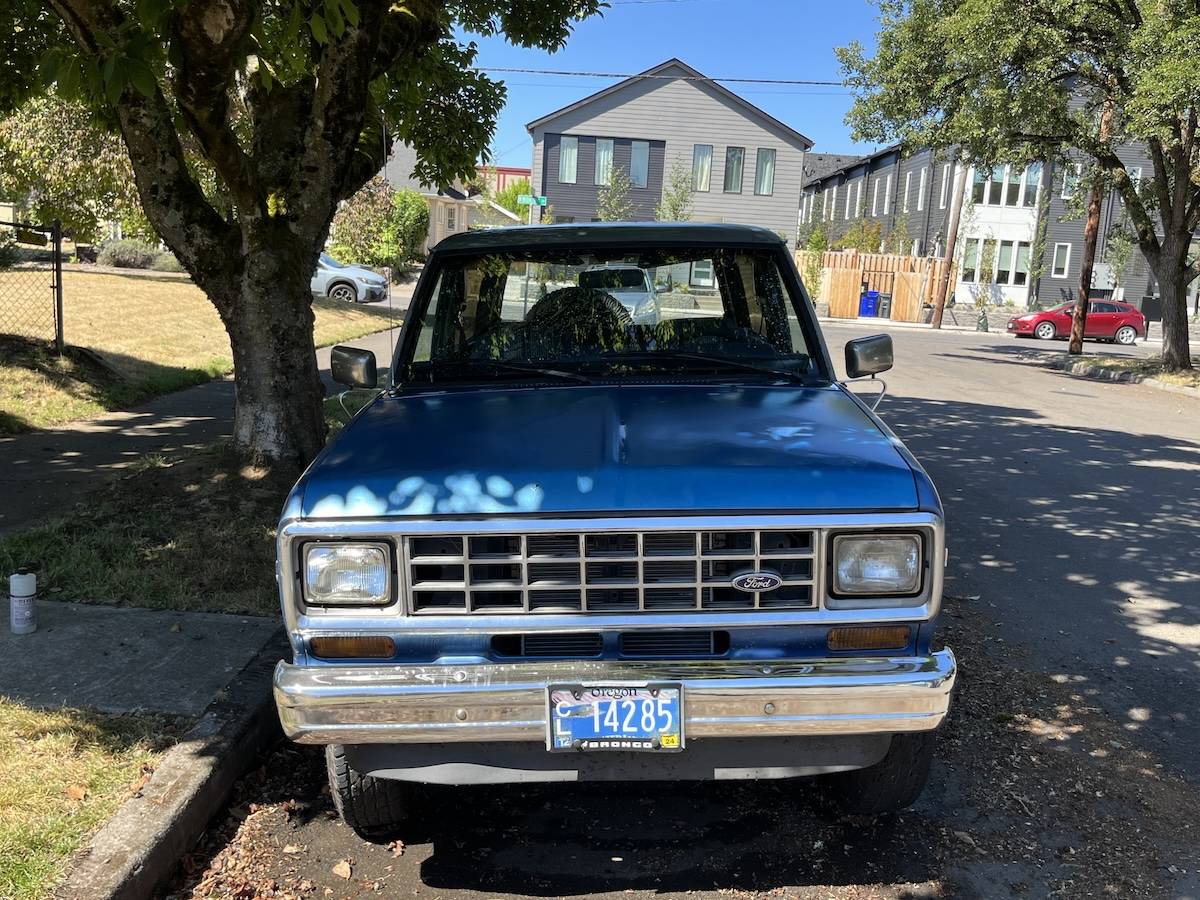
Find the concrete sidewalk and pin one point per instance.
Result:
(44, 473)
(120, 660)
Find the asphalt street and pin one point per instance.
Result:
(1067, 767)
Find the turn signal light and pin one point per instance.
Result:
(352, 647)
(868, 637)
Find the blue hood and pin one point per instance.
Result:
(609, 449)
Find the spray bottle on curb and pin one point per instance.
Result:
(22, 613)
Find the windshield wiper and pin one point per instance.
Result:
(724, 362)
(496, 365)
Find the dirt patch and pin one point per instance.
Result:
(1035, 793)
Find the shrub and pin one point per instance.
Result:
(166, 262)
(411, 226)
(127, 254)
(8, 249)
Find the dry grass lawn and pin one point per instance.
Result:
(158, 334)
(63, 773)
(1150, 367)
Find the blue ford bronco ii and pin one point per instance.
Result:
(581, 536)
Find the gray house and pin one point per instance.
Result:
(746, 166)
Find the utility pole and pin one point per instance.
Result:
(1091, 231)
(947, 280)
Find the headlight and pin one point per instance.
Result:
(876, 565)
(347, 574)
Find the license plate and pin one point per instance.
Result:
(616, 717)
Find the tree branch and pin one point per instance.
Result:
(211, 38)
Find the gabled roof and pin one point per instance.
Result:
(687, 72)
(854, 164)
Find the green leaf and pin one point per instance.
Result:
(142, 78)
(319, 31)
(334, 18)
(51, 65)
(113, 87)
(350, 10)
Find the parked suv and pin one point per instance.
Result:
(563, 544)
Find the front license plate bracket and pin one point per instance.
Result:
(644, 717)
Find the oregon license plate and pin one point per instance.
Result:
(615, 717)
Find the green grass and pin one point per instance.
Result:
(155, 335)
(63, 773)
(195, 533)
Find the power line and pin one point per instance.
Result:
(523, 71)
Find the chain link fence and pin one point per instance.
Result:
(31, 281)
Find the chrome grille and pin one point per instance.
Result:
(606, 571)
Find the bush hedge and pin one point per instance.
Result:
(127, 254)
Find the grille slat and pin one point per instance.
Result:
(607, 571)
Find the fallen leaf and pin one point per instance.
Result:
(342, 869)
(76, 792)
(176, 627)
(292, 849)
(397, 848)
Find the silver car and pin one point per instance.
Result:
(353, 284)
(629, 284)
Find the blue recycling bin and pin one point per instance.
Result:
(867, 303)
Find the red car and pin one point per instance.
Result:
(1107, 320)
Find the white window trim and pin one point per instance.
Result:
(921, 193)
(875, 199)
(945, 186)
(1066, 261)
(887, 195)
(833, 203)
(907, 186)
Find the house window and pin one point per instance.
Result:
(1021, 271)
(1062, 259)
(832, 202)
(887, 194)
(568, 153)
(875, 199)
(1012, 196)
(849, 195)
(1071, 175)
(701, 274)
(1004, 262)
(979, 186)
(1033, 177)
(907, 185)
(764, 172)
(996, 186)
(701, 166)
(734, 159)
(970, 264)
(451, 218)
(604, 159)
(921, 190)
(945, 186)
(639, 163)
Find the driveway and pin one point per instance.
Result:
(1067, 768)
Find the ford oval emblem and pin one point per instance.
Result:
(757, 582)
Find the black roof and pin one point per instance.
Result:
(610, 234)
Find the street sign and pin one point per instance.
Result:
(541, 201)
(530, 200)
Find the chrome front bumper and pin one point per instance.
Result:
(721, 698)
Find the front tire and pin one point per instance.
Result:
(1045, 331)
(343, 292)
(891, 784)
(1126, 335)
(376, 808)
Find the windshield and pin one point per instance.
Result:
(609, 314)
(330, 262)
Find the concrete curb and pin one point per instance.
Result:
(1102, 373)
(139, 848)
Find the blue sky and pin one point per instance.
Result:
(746, 38)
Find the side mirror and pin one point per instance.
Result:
(868, 355)
(353, 367)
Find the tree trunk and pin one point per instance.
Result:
(948, 275)
(1169, 267)
(278, 417)
(1091, 231)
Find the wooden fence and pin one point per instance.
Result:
(910, 281)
